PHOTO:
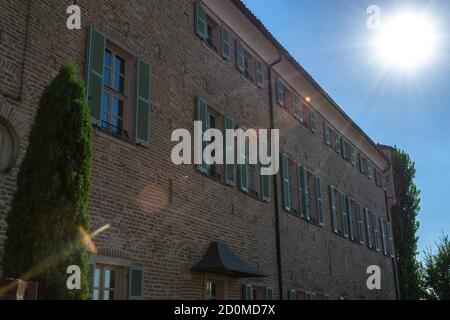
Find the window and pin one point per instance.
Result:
(259, 73)
(345, 226)
(333, 206)
(286, 183)
(367, 215)
(353, 156)
(292, 294)
(249, 66)
(390, 239)
(115, 93)
(214, 289)
(359, 218)
(376, 232)
(369, 170)
(117, 103)
(253, 180)
(6, 148)
(297, 110)
(215, 171)
(338, 144)
(312, 116)
(295, 196)
(383, 236)
(345, 150)
(326, 133)
(257, 292)
(280, 92)
(225, 43)
(319, 202)
(109, 283)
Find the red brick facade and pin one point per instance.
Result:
(163, 217)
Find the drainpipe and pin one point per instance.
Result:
(275, 184)
(394, 262)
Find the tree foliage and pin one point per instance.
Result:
(53, 184)
(405, 225)
(437, 271)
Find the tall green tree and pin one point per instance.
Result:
(437, 270)
(50, 205)
(405, 225)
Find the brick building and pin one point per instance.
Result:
(195, 232)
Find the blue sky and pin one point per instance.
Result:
(409, 109)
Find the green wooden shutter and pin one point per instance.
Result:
(368, 228)
(248, 292)
(312, 116)
(333, 208)
(319, 201)
(269, 294)
(301, 201)
(376, 232)
(359, 217)
(265, 188)
(229, 168)
(344, 214)
(280, 92)
(369, 170)
(225, 43)
(383, 237)
(239, 56)
(259, 73)
(143, 96)
(286, 182)
(200, 20)
(306, 194)
(135, 283)
(350, 218)
(94, 73)
(201, 114)
(90, 279)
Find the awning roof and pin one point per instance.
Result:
(219, 259)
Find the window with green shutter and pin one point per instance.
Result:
(359, 217)
(239, 56)
(368, 228)
(90, 279)
(333, 208)
(353, 156)
(135, 283)
(201, 114)
(286, 182)
(344, 214)
(200, 20)
(280, 92)
(225, 37)
(94, 73)
(229, 168)
(369, 170)
(259, 73)
(292, 294)
(143, 97)
(319, 201)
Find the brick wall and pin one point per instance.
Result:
(163, 217)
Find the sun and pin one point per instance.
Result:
(407, 40)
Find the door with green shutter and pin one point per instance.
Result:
(143, 98)
(94, 72)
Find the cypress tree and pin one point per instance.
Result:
(50, 205)
(405, 225)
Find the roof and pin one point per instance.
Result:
(251, 16)
(220, 259)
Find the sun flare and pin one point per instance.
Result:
(406, 40)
